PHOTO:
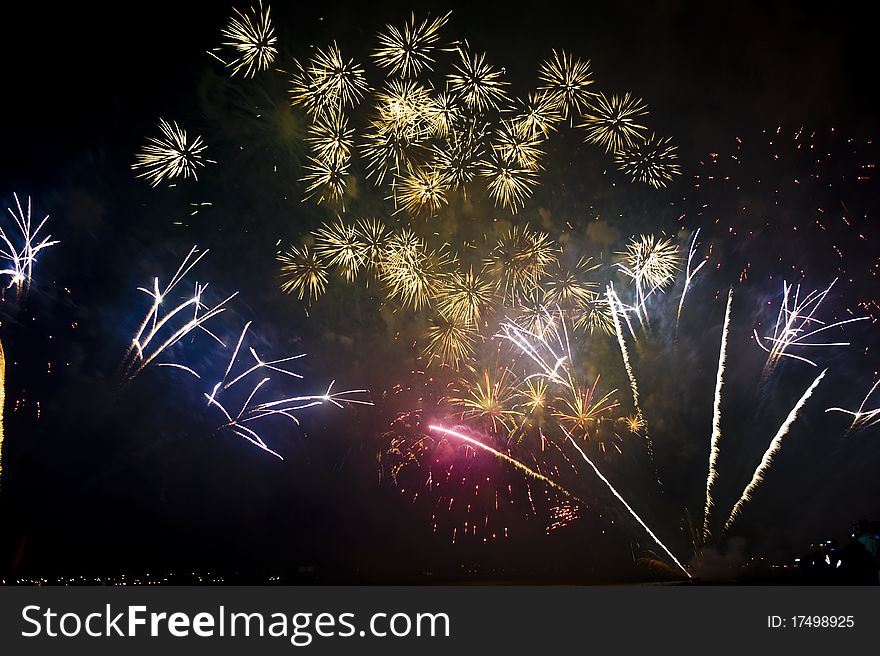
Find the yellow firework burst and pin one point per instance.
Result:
(465, 297)
(520, 146)
(339, 245)
(567, 80)
(170, 156)
(519, 259)
(459, 157)
(612, 122)
(566, 288)
(477, 83)
(509, 183)
(634, 423)
(412, 273)
(595, 316)
(302, 273)
(325, 179)
(385, 152)
(444, 113)
(449, 340)
(422, 190)
(580, 408)
(537, 114)
(330, 137)
(651, 262)
(654, 162)
(535, 396)
(409, 51)
(533, 314)
(252, 40)
(328, 82)
(405, 108)
(488, 395)
(373, 238)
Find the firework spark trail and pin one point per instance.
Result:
(21, 261)
(251, 411)
(689, 274)
(772, 450)
(861, 418)
(503, 456)
(140, 353)
(520, 338)
(616, 306)
(793, 324)
(715, 448)
(623, 501)
(2, 402)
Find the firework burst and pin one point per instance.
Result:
(566, 80)
(170, 156)
(409, 51)
(653, 161)
(19, 260)
(477, 83)
(612, 122)
(339, 245)
(302, 273)
(251, 38)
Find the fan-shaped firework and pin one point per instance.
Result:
(477, 83)
(566, 80)
(302, 273)
(18, 261)
(408, 51)
(170, 156)
(652, 162)
(251, 38)
(612, 122)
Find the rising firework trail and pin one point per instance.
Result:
(772, 450)
(715, 444)
(623, 501)
(502, 456)
(617, 307)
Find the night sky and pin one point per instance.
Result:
(100, 480)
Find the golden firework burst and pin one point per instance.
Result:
(421, 191)
(325, 180)
(302, 273)
(567, 80)
(654, 162)
(520, 146)
(477, 83)
(487, 394)
(409, 51)
(612, 122)
(465, 297)
(252, 40)
(170, 156)
(449, 340)
(509, 183)
(579, 408)
(340, 246)
(330, 137)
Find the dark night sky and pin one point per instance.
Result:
(107, 481)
